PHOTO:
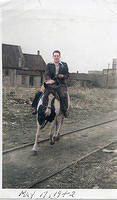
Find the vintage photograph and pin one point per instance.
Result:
(59, 95)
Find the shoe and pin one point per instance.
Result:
(34, 112)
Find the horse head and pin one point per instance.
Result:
(47, 113)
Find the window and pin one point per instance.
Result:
(6, 72)
(23, 80)
(31, 81)
(20, 62)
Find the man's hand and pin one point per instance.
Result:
(50, 82)
(60, 75)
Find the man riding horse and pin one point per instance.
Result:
(57, 73)
(52, 99)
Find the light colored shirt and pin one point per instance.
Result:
(57, 68)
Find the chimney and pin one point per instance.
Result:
(38, 52)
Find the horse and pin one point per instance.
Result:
(56, 123)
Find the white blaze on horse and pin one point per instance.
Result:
(56, 124)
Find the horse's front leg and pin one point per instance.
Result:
(36, 138)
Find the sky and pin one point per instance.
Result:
(85, 31)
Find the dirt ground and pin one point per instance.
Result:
(87, 105)
(19, 125)
(97, 171)
(22, 168)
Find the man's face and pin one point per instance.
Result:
(56, 57)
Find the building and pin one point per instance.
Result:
(110, 71)
(19, 69)
(113, 70)
(94, 72)
(114, 64)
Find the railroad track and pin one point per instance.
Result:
(67, 166)
(67, 133)
(43, 179)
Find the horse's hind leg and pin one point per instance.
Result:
(51, 134)
(59, 127)
(36, 138)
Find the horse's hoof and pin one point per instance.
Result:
(52, 142)
(34, 148)
(34, 153)
(54, 138)
(57, 138)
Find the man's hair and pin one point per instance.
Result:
(57, 51)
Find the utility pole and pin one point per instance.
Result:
(107, 75)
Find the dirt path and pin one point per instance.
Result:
(97, 171)
(20, 168)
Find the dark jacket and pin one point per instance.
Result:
(50, 72)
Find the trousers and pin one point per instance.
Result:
(62, 93)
